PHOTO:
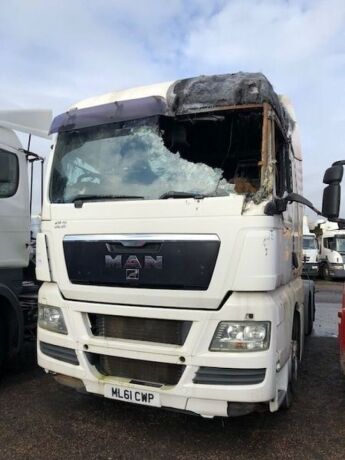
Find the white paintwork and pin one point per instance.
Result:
(159, 89)
(35, 122)
(329, 230)
(254, 261)
(310, 256)
(14, 210)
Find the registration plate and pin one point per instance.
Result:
(148, 398)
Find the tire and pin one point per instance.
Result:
(310, 316)
(295, 359)
(325, 273)
(2, 345)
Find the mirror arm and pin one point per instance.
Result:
(279, 205)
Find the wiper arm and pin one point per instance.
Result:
(80, 199)
(172, 194)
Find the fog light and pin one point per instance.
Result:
(51, 319)
(241, 336)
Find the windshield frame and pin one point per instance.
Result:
(338, 239)
(309, 238)
(266, 133)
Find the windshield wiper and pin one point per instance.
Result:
(172, 194)
(80, 199)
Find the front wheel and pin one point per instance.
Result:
(2, 345)
(294, 363)
(325, 273)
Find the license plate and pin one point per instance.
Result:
(148, 398)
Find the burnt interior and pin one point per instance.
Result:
(229, 140)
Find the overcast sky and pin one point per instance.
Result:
(55, 52)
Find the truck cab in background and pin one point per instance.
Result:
(158, 199)
(332, 251)
(310, 252)
(18, 291)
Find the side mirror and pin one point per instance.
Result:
(331, 201)
(334, 174)
(331, 194)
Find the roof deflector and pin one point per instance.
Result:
(113, 112)
(36, 121)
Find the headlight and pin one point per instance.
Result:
(51, 318)
(241, 336)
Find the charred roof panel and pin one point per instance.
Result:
(193, 94)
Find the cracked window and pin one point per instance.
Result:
(213, 154)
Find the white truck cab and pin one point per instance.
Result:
(16, 315)
(310, 252)
(332, 251)
(171, 247)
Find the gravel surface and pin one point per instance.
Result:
(40, 419)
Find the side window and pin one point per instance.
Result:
(9, 174)
(283, 163)
(331, 244)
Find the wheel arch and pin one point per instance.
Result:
(12, 316)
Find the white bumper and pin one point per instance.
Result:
(204, 399)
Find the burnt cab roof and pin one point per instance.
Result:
(186, 96)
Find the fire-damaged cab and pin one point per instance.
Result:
(171, 247)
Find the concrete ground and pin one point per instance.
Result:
(40, 419)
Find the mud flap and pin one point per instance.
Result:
(282, 382)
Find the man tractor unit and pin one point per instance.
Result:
(171, 247)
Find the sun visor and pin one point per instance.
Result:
(34, 122)
(113, 112)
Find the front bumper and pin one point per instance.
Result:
(310, 269)
(336, 274)
(201, 398)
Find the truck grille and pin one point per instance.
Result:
(146, 329)
(226, 376)
(144, 372)
(142, 261)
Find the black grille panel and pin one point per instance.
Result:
(136, 369)
(61, 353)
(164, 264)
(146, 329)
(224, 376)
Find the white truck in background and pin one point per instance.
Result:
(157, 201)
(332, 251)
(310, 252)
(18, 290)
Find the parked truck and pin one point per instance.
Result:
(18, 287)
(171, 247)
(332, 251)
(310, 252)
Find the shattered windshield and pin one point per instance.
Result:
(309, 242)
(150, 159)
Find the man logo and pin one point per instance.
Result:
(132, 274)
(132, 263)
